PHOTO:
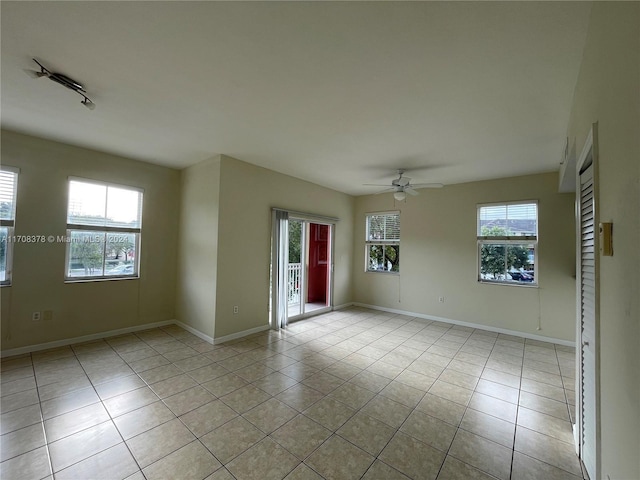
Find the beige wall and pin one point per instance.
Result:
(438, 257)
(198, 245)
(38, 279)
(608, 92)
(247, 194)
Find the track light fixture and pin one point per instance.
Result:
(63, 80)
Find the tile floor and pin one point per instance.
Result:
(350, 394)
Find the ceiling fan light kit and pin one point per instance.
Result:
(65, 81)
(400, 196)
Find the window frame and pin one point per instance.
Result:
(508, 240)
(383, 243)
(10, 224)
(98, 229)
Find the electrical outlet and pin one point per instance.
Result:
(47, 315)
(235, 309)
(35, 316)
(441, 299)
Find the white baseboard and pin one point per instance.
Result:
(244, 333)
(197, 333)
(343, 306)
(84, 338)
(488, 328)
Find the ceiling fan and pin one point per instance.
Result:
(402, 185)
(63, 80)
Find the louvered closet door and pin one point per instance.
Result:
(588, 320)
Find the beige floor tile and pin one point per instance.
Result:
(244, 399)
(232, 439)
(74, 448)
(237, 362)
(302, 472)
(460, 379)
(180, 354)
(188, 400)
(497, 390)
(342, 370)
(300, 397)
(193, 363)
(481, 453)
(370, 381)
(543, 389)
(411, 457)
(441, 408)
(148, 363)
(544, 405)
(114, 463)
(494, 406)
(151, 446)
(207, 373)
(503, 378)
(173, 385)
(381, 471)
(31, 465)
(340, 460)
(546, 424)
(352, 395)
(366, 432)
(17, 374)
(18, 400)
(225, 384)
(119, 386)
(67, 403)
(451, 392)
(20, 418)
(138, 354)
(299, 371)
(415, 380)
(275, 383)
(547, 449)
(323, 382)
(21, 441)
(384, 369)
(207, 417)
(158, 374)
(527, 468)
(403, 394)
(143, 419)
(270, 415)
(17, 386)
(430, 430)
(462, 366)
(301, 436)
(129, 401)
(264, 461)
(10, 363)
(191, 461)
(454, 469)
(426, 368)
(253, 372)
(220, 474)
(329, 413)
(386, 410)
(488, 426)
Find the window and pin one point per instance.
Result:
(8, 188)
(383, 242)
(507, 243)
(103, 230)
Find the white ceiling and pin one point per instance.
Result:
(339, 94)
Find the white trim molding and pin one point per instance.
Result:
(488, 328)
(197, 333)
(82, 339)
(244, 333)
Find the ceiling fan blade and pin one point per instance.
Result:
(427, 185)
(33, 73)
(386, 190)
(411, 191)
(375, 185)
(403, 181)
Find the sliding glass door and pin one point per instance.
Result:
(302, 280)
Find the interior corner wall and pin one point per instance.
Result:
(608, 92)
(439, 258)
(198, 245)
(84, 308)
(247, 195)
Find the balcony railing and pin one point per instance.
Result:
(293, 283)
